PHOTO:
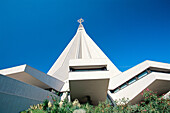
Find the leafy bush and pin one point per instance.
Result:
(150, 104)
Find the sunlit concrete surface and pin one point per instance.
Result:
(16, 96)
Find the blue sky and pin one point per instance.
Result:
(35, 32)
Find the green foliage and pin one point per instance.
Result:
(154, 104)
(151, 104)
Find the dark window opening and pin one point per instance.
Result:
(88, 69)
(115, 90)
(123, 86)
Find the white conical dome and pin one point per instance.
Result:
(80, 47)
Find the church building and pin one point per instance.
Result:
(82, 72)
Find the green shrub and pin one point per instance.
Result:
(150, 104)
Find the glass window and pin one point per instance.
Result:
(116, 90)
(123, 86)
(132, 81)
(142, 75)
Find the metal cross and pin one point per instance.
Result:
(80, 20)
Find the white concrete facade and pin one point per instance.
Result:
(152, 75)
(32, 76)
(88, 80)
(82, 53)
(16, 96)
(80, 47)
(85, 72)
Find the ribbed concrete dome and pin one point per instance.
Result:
(80, 47)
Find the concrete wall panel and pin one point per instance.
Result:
(16, 96)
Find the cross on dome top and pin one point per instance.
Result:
(80, 20)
